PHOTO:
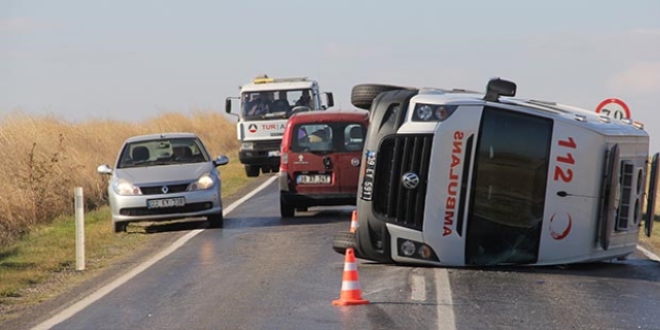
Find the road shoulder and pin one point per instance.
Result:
(29, 316)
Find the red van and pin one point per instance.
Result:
(320, 159)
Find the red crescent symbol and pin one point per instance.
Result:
(557, 235)
(620, 102)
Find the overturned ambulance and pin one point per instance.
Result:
(461, 178)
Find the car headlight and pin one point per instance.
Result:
(125, 188)
(432, 112)
(247, 145)
(204, 182)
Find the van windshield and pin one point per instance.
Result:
(508, 189)
(328, 137)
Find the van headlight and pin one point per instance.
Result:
(204, 182)
(125, 188)
(432, 112)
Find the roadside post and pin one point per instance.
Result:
(80, 228)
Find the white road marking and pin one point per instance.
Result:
(648, 253)
(418, 287)
(444, 301)
(82, 304)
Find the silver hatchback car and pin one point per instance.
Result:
(163, 177)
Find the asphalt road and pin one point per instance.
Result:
(264, 272)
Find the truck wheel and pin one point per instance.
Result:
(251, 170)
(287, 210)
(342, 241)
(265, 169)
(362, 95)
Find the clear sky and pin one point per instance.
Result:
(133, 59)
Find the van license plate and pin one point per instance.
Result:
(314, 179)
(166, 202)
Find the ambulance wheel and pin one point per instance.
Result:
(362, 95)
(251, 170)
(342, 241)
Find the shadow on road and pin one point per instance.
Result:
(313, 217)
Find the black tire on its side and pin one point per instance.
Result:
(342, 241)
(216, 220)
(362, 95)
(120, 226)
(252, 171)
(287, 210)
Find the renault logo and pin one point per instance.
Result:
(164, 189)
(410, 180)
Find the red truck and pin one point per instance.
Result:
(320, 159)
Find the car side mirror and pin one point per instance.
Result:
(104, 169)
(221, 160)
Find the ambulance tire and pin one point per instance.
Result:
(342, 241)
(363, 95)
(252, 171)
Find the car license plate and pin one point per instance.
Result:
(166, 202)
(368, 177)
(274, 153)
(314, 179)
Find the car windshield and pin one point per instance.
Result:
(330, 137)
(167, 151)
(274, 104)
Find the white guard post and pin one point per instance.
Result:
(80, 228)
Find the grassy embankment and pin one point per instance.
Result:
(42, 159)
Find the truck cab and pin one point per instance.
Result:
(265, 105)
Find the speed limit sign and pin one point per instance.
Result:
(614, 108)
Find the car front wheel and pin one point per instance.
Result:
(120, 226)
(215, 220)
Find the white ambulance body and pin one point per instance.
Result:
(456, 178)
(261, 134)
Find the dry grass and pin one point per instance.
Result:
(43, 158)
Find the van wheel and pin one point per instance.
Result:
(342, 241)
(251, 170)
(216, 220)
(287, 210)
(362, 95)
(120, 227)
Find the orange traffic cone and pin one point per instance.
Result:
(350, 285)
(354, 221)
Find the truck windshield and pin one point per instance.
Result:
(274, 104)
(508, 188)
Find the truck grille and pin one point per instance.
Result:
(267, 145)
(399, 155)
